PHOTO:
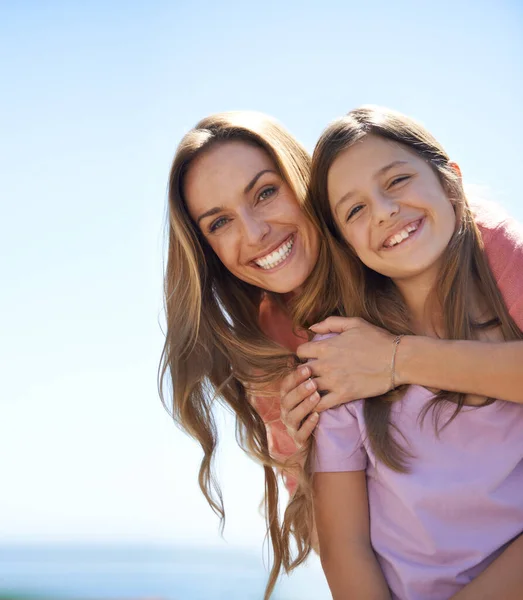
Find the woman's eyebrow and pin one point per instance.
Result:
(253, 181)
(248, 188)
(209, 213)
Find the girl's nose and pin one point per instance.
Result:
(384, 208)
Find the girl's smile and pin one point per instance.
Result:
(391, 208)
(403, 234)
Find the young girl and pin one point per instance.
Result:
(416, 492)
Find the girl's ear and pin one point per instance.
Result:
(455, 167)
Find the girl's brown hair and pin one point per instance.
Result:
(214, 348)
(343, 285)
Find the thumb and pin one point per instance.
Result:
(333, 325)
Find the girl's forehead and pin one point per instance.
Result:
(368, 158)
(373, 150)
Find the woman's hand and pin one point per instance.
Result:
(299, 398)
(354, 364)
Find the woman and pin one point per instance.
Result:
(241, 246)
(429, 481)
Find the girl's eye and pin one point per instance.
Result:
(267, 193)
(355, 210)
(215, 225)
(398, 180)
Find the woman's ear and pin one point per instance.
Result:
(455, 167)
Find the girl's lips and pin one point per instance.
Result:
(406, 241)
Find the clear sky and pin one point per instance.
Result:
(95, 97)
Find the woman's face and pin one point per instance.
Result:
(390, 207)
(250, 217)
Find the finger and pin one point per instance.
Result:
(331, 400)
(294, 379)
(334, 325)
(309, 350)
(304, 432)
(322, 385)
(301, 411)
(291, 400)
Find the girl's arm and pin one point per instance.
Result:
(502, 579)
(342, 520)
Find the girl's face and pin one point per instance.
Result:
(250, 217)
(390, 207)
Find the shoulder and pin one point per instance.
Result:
(498, 229)
(339, 439)
(503, 241)
(276, 324)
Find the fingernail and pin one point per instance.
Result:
(315, 416)
(315, 398)
(310, 385)
(312, 327)
(305, 371)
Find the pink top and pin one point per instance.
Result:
(437, 527)
(503, 238)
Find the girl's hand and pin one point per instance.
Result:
(298, 399)
(354, 364)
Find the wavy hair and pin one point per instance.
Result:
(214, 348)
(344, 286)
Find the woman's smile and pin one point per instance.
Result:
(251, 217)
(276, 257)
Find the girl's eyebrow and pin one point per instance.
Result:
(391, 165)
(378, 173)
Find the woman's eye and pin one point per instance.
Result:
(398, 180)
(215, 225)
(267, 193)
(355, 210)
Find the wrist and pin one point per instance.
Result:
(417, 360)
(406, 356)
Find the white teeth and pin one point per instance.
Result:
(276, 257)
(401, 235)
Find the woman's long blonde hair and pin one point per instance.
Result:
(214, 348)
(343, 285)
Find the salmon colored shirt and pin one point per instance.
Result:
(503, 239)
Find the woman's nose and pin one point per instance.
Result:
(255, 228)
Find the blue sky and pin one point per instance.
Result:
(95, 98)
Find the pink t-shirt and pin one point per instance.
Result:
(437, 527)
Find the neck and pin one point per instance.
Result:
(426, 317)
